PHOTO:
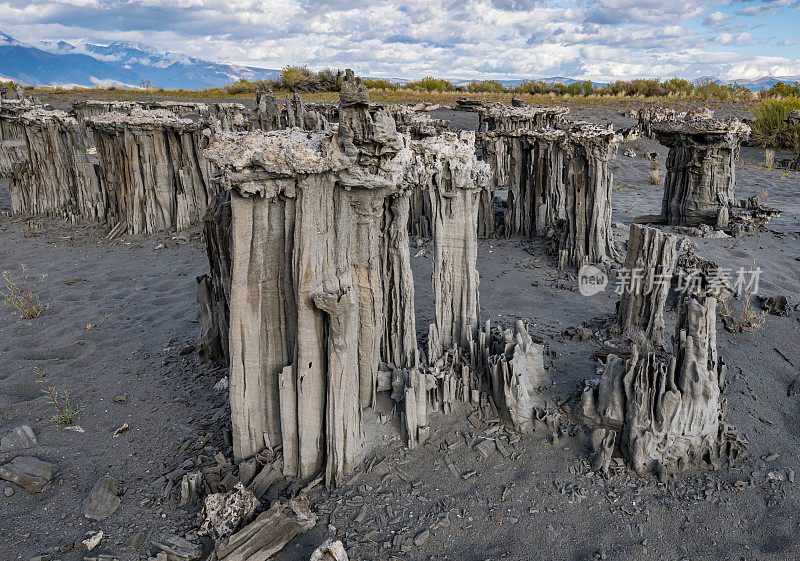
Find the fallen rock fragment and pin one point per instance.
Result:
(329, 551)
(176, 548)
(102, 501)
(93, 540)
(190, 488)
(269, 532)
(21, 437)
(120, 430)
(225, 513)
(30, 473)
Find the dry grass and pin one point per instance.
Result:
(749, 320)
(22, 295)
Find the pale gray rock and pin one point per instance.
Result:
(20, 438)
(152, 170)
(268, 533)
(176, 548)
(648, 269)
(30, 473)
(329, 551)
(102, 501)
(224, 513)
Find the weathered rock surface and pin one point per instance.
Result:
(559, 184)
(269, 115)
(56, 178)
(316, 215)
(30, 473)
(152, 169)
(20, 438)
(268, 533)
(329, 551)
(453, 177)
(652, 115)
(701, 169)
(214, 289)
(102, 501)
(515, 374)
(225, 513)
(648, 269)
(176, 548)
(667, 411)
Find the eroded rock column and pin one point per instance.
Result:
(586, 232)
(701, 169)
(56, 177)
(667, 409)
(647, 272)
(454, 179)
(321, 288)
(152, 169)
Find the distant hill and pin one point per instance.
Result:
(121, 63)
(130, 64)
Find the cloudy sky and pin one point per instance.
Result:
(599, 40)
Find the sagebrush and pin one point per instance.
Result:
(22, 295)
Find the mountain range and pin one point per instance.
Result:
(122, 63)
(131, 64)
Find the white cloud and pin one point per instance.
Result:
(600, 40)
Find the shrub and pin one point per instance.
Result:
(770, 128)
(679, 86)
(330, 80)
(240, 87)
(490, 86)
(22, 296)
(299, 79)
(65, 411)
(749, 321)
(782, 89)
(431, 84)
(534, 87)
(379, 84)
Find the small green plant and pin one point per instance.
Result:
(65, 411)
(749, 321)
(32, 229)
(22, 295)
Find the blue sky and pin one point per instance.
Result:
(598, 40)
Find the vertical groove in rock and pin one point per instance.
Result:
(648, 268)
(152, 169)
(56, 177)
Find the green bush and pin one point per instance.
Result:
(770, 128)
(379, 84)
(534, 87)
(712, 90)
(486, 86)
(431, 84)
(679, 86)
(782, 89)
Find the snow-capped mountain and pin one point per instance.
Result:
(122, 63)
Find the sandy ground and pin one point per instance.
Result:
(541, 502)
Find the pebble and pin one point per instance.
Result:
(8, 491)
